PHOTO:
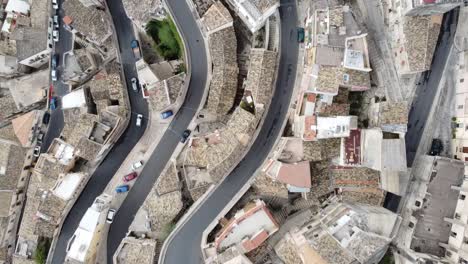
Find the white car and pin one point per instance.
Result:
(138, 121)
(37, 151)
(55, 35)
(137, 165)
(53, 74)
(54, 4)
(110, 216)
(134, 84)
(56, 22)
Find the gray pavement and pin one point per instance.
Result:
(185, 246)
(104, 173)
(161, 155)
(426, 90)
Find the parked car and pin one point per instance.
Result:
(185, 135)
(137, 165)
(166, 114)
(55, 61)
(55, 35)
(135, 45)
(130, 176)
(110, 216)
(56, 22)
(46, 118)
(53, 74)
(134, 84)
(300, 35)
(53, 102)
(122, 189)
(436, 147)
(138, 121)
(40, 137)
(54, 4)
(37, 151)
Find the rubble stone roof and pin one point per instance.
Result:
(39, 13)
(162, 209)
(329, 79)
(354, 177)
(168, 181)
(29, 41)
(261, 74)
(7, 104)
(370, 196)
(329, 249)
(166, 92)
(90, 22)
(12, 159)
(393, 113)
(142, 10)
(87, 149)
(82, 127)
(136, 251)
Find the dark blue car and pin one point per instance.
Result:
(166, 114)
(53, 102)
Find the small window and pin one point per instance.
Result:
(462, 80)
(460, 107)
(448, 254)
(462, 197)
(453, 234)
(465, 240)
(410, 225)
(457, 216)
(417, 203)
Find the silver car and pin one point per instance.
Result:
(134, 84)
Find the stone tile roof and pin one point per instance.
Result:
(329, 79)
(264, 185)
(354, 177)
(81, 127)
(168, 181)
(421, 37)
(142, 10)
(336, 17)
(52, 207)
(87, 149)
(82, 58)
(261, 74)
(223, 47)
(393, 113)
(5, 202)
(136, 251)
(166, 92)
(11, 161)
(162, 209)
(49, 167)
(330, 250)
(90, 22)
(370, 196)
(287, 252)
(217, 16)
(39, 13)
(312, 150)
(357, 81)
(333, 109)
(223, 87)
(7, 104)
(29, 41)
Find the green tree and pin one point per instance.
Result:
(167, 39)
(40, 256)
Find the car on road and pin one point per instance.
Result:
(46, 118)
(54, 4)
(55, 61)
(56, 22)
(135, 45)
(185, 135)
(166, 114)
(122, 189)
(436, 147)
(37, 151)
(53, 103)
(137, 165)
(53, 74)
(40, 137)
(130, 177)
(134, 84)
(110, 216)
(300, 35)
(138, 121)
(55, 35)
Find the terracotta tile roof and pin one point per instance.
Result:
(257, 240)
(297, 174)
(310, 129)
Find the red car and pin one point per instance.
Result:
(130, 176)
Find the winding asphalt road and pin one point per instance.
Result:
(185, 247)
(163, 152)
(106, 170)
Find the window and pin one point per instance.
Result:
(417, 203)
(457, 216)
(453, 234)
(462, 80)
(410, 225)
(460, 107)
(448, 254)
(465, 240)
(462, 197)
